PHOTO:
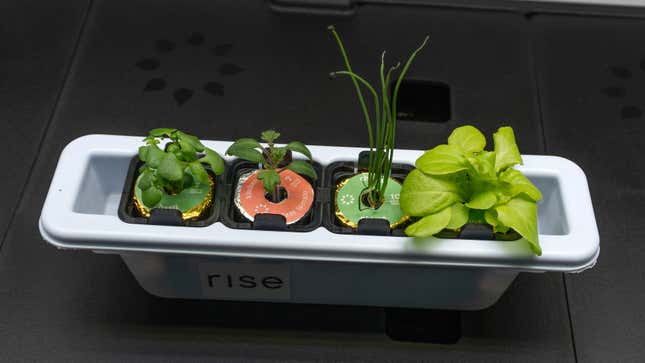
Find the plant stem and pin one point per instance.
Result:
(373, 158)
(393, 114)
(275, 196)
(361, 100)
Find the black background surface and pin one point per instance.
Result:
(548, 76)
(35, 52)
(592, 90)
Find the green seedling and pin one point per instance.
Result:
(180, 166)
(274, 159)
(460, 182)
(381, 125)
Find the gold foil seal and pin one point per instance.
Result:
(346, 221)
(192, 213)
(339, 215)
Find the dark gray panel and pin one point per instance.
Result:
(36, 49)
(272, 70)
(592, 82)
(72, 306)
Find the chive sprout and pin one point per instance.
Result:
(381, 126)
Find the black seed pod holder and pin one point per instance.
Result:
(233, 218)
(169, 217)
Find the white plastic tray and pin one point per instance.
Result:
(80, 212)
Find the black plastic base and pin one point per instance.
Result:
(168, 217)
(373, 226)
(165, 217)
(269, 221)
(478, 231)
(423, 326)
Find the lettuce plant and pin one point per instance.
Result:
(381, 126)
(273, 159)
(180, 166)
(460, 182)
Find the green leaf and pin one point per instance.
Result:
(188, 180)
(299, 147)
(503, 193)
(198, 171)
(476, 216)
(506, 149)
(278, 154)
(270, 179)
(213, 159)
(430, 224)
(270, 136)
(145, 180)
(143, 153)
(192, 140)
(491, 218)
(459, 216)
(150, 140)
(175, 149)
(172, 148)
(154, 155)
(151, 196)
(170, 168)
(188, 152)
(304, 168)
(424, 194)
(247, 143)
(520, 184)
(520, 213)
(484, 164)
(443, 159)
(245, 153)
(482, 199)
(468, 139)
(161, 132)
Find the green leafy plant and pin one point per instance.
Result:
(460, 182)
(180, 166)
(274, 159)
(381, 125)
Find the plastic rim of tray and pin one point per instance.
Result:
(81, 213)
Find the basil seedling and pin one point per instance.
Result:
(178, 167)
(274, 159)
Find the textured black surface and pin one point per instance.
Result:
(423, 325)
(223, 70)
(276, 71)
(592, 90)
(35, 51)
